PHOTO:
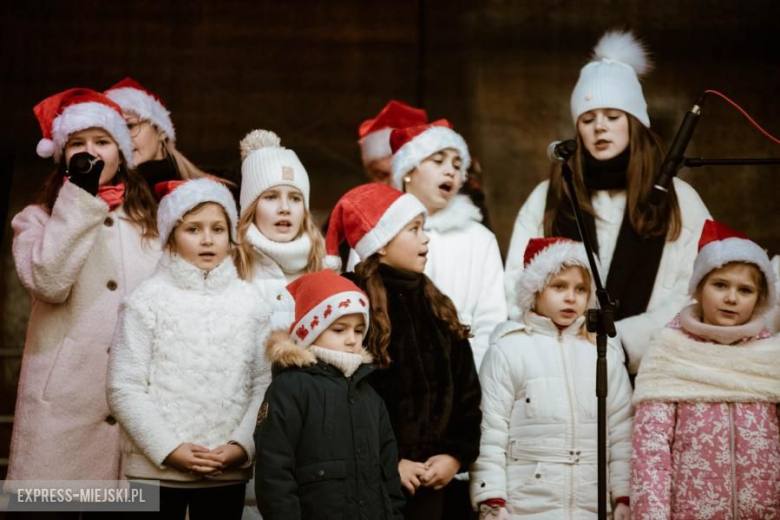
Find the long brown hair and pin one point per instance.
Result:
(647, 152)
(378, 338)
(242, 253)
(139, 204)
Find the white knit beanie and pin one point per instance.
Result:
(265, 164)
(611, 79)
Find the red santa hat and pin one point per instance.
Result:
(78, 109)
(374, 134)
(720, 245)
(543, 259)
(321, 298)
(179, 198)
(132, 97)
(368, 218)
(412, 145)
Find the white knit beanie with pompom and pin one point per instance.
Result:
(265, 164)
(611, 79)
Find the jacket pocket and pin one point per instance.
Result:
(64, 385)
(544, 399)
(328, 417)
(322, 489)
(535, 488)
(387, 504)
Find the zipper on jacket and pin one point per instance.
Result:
(733, 445)
(570, 467)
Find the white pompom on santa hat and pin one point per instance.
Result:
(132, 97)
(321, 298)
(374, 134)
(543, 259)
(368, 218)
(412, 145)
(76, 109)
(177, 198)
(720, 245)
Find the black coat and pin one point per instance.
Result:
(431, 388)
(325, 448)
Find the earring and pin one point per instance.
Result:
(407, 179)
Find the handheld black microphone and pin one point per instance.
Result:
(560, 151)
(674, 158)
(84, 163)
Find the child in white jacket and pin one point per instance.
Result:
(186, 371)
(430, 161)
(538, 454)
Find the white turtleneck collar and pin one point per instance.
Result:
(455, 215)
(192, 278)
(291, 256)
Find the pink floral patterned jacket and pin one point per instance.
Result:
(706, 441)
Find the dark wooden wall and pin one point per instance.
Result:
(501, 70)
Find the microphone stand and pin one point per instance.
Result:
(601, 321)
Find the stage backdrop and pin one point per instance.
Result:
(502, 71)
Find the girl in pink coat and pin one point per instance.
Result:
(706, 438)
(88, 241)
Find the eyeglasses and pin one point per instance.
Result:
(134, 127)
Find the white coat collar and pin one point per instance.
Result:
(455, 215)
(189, 277)
(536, 323)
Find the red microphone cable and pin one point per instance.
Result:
(744, 113)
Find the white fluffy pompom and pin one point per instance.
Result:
(257, 139)
(623, 46)
(45, 148)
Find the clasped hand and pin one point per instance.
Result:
(193, 458)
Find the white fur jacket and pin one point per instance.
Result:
(187, 365)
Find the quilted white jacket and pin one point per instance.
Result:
(670, 292)
(539, 431)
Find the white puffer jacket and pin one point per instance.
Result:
(465, 264)
(539, 422)
(188, 365)
(670, 291)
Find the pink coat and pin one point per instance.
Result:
(77, 263)
(706, 442)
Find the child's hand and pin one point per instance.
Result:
(411, 472)
(489, 513)
(227, 455)
(622, 512)
(441, 469)
(185, 458)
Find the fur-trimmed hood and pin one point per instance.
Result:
(281, 350)
(455, 215)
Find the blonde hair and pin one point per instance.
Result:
(242, 253)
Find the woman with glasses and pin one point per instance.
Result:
(153, 135)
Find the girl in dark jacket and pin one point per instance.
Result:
(427, 378)
(325, 447)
